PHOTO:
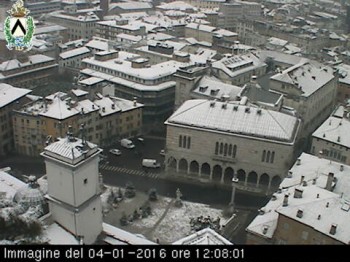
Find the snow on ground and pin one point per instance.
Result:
(173, 226)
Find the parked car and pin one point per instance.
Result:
(150, 163)
(127, 143)
(115, 151)
(140, 139)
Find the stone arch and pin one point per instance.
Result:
(172, 162)
(183, 165)
(194, 167)
(205, 170)
(228, 175)
(252, 177)
(241, 175)
(217, 173)
(275, 181)
(264, 180)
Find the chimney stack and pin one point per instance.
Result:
(300, 213)
(298, 192)
(333, 229)
(302, 180)
(329, 181)
(341, 167)
(298, 162)
(285, 200)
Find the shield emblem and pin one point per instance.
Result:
(18, 26)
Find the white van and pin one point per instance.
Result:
(150, 163)
(127, 143)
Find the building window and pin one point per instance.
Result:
(263, 156)
(234, 151)
(272, 156)
(184, 141)
(304, 235)
(180, 141)
(216, 148)
(268, 156)
(225, 150)
(230, 150)
(188, 142)
(221, 148)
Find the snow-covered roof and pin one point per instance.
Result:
(133, 38)
(59, 109)
(79, 92)
(312, 203)
(111, 105)
(316, 170)
(91, 81)
(57, 235)
(277, 41)
(236, 119)
(131, 5)
(201, 27)
(70, 150)
(88, 17)
(75, 52)
(177, 5)
(306, 76)
(9, 185)
(224, 32)
(238, 64)
(32, 60)
(214, 88)
(98, 43)
(159, 36)
(334, 130)
(123, 237)
(9, 94)
(344, 73)
(128, 83)
(279, 57)
(123, 66)
(206, 236)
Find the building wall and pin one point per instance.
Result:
(30, 76)
(7, 143)
(253, 239)
(313, 109)
(343, 92)
(246, 163)
(290, 231)
(76, 29)
(72, 63)
(331, 151)
(199, 34)
(86, 223)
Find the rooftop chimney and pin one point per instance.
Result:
(302, 180)
(285, 200)
(300, 213)
(298, 161)
(135, 101)
(341, 167)
(290, 174)
(333, 229)
(329, 181)
(298, 192)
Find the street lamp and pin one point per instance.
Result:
(232, 203)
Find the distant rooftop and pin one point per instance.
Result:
(9, 94)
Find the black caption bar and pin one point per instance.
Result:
(170, 253)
